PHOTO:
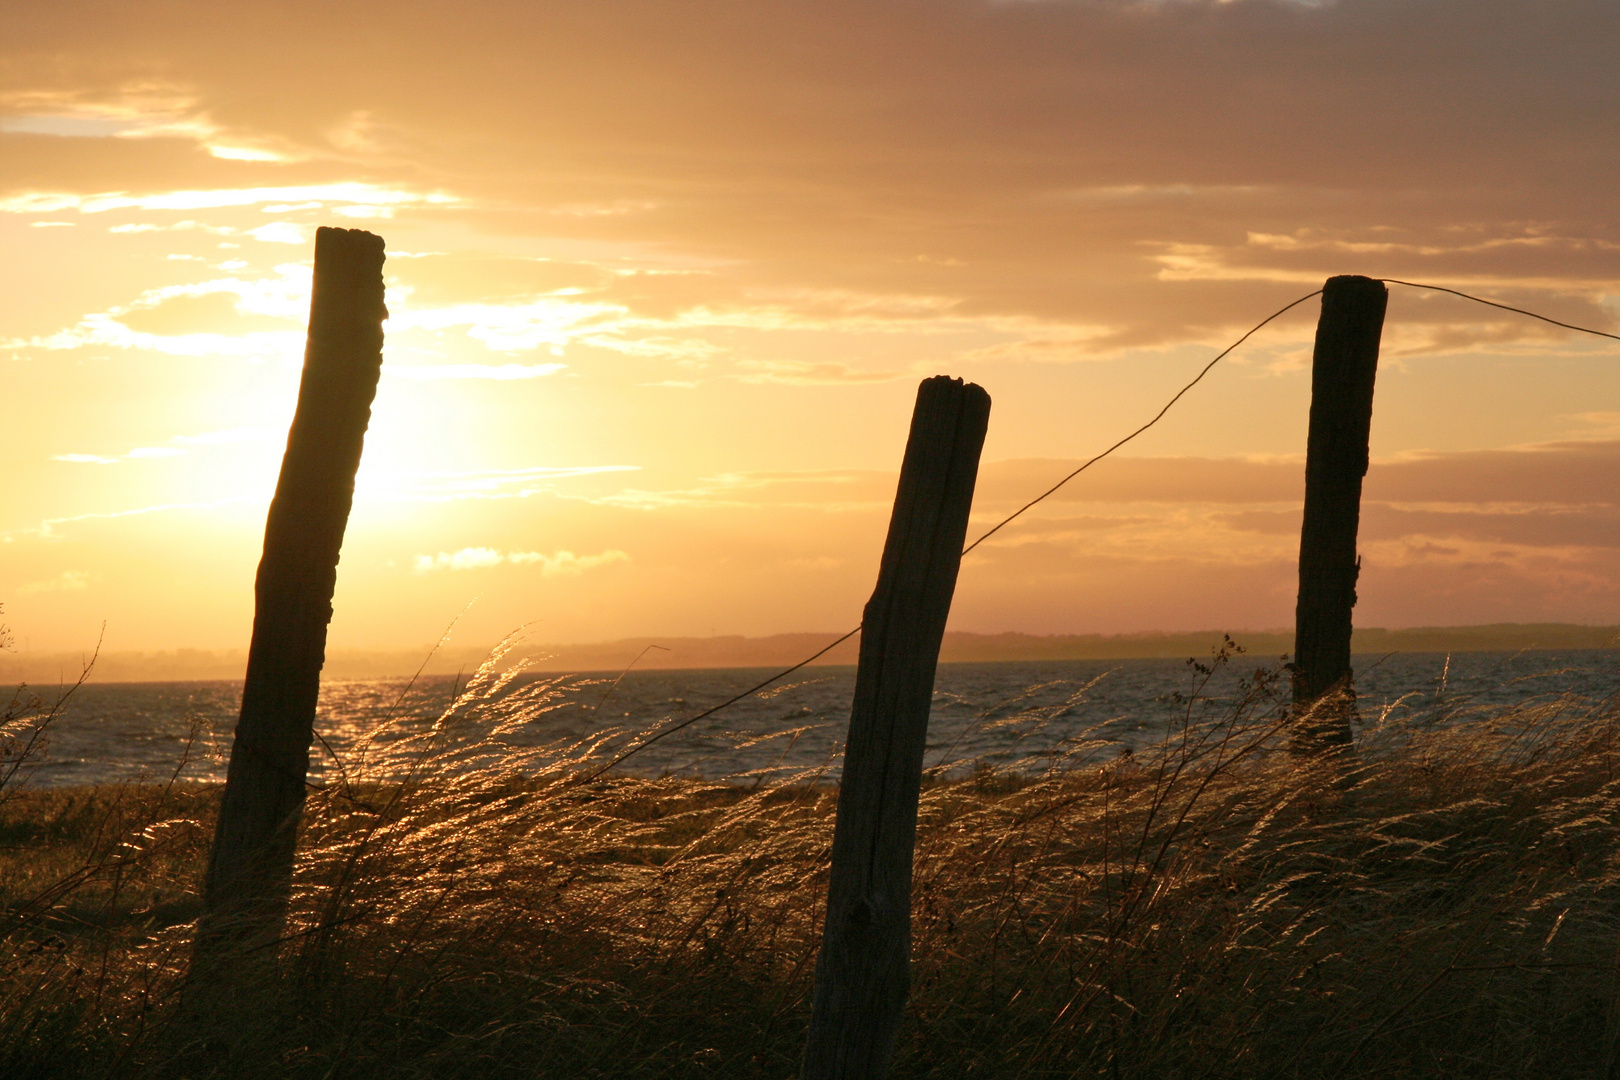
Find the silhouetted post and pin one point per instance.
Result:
(1343, 368)
(862, 973)
(250, 867)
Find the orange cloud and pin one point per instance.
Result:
(1049, 160)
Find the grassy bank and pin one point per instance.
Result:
(1448, 906)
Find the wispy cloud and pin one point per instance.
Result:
(226, 437)
(797, 373)
(231, 316)
(480, 558)
(178, 226)
(66, 581)
(497, 372)
(350, 198)
(86, 459)
(138, 110)
(139, 453)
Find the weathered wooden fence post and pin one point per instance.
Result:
(862, 972)
(250, 866)
(1343, 368)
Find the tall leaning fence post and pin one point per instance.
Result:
(862, 972)
(250, 866)
(1343, 368)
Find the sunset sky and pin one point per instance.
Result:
(663, 277)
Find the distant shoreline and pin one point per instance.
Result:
(781, 650)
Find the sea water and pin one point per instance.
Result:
(1018, 714)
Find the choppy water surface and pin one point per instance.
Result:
(1007, 713)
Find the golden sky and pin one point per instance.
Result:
(664, 275)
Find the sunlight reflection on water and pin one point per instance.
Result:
(1010, 713)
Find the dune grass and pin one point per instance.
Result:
(1211, 906)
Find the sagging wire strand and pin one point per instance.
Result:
(1010, 518)
(1224, 353)
(1504, 307)
(638, 747)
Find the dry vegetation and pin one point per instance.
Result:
(1211, 907)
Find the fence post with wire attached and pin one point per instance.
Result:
(1343, 367)
(862, 972)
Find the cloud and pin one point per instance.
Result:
(347, 198)
(1524, 526)
(465, 559)
(497, 372)
(280, 232)
(797, 373)
(139, 110)
(446, 279)
(823, 490)
(233, 316)
(226, 437)
(1572, 473)
(138, 454)
(184, 314)
(179, 226)
(1161, 169)
(66, 581)
(479, 558)
(550, 322)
